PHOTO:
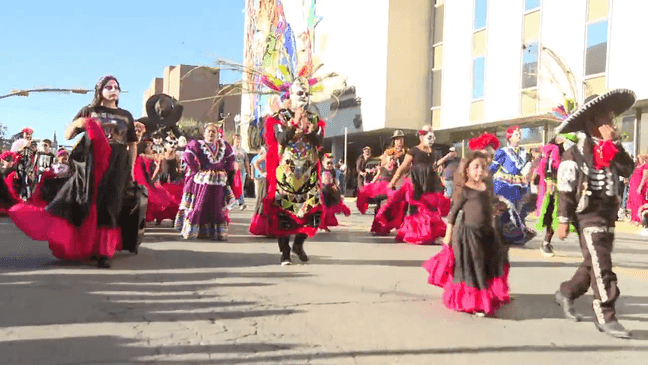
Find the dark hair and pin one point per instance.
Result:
(461, 175)
(141, 147)
(47, 141)
(98, 97)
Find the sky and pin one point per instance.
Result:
(71, 44)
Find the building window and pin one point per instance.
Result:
(530, 65)
(596, 47)
(479, 64)
(438, 24)
(530, 5)
(480, 14)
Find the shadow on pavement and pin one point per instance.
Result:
(117, 350)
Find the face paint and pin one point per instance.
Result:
(429, 138)
(111, 91)
(299, 95)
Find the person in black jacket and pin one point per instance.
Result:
(588, 178)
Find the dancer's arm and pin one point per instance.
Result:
(404, 167)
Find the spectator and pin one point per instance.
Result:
(449, 171)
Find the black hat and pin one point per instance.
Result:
(163, 110)
(616, 101)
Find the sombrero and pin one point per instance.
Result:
(163, 111)
(398, 134)
(616, 101)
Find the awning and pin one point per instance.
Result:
(472, 130)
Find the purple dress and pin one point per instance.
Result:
(207, 191)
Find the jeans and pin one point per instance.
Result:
(449, 188)
(241, 199)
(342, 181)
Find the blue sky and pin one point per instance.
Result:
(71, 44)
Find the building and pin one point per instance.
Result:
(499, 63)
(196, 88)
(464, 66)
(383, 49)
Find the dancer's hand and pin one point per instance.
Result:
(390, 186)
(563, 230)
(447, 240)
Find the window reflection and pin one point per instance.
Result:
(531, 5)
(478, 77)
(480, 14)
(596, 48)
(530, 65)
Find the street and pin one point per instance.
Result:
(360, 300)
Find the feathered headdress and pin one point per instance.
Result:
(27, 130)
(484, 141)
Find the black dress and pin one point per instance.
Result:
(423, 172)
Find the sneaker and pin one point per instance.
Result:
(644, 232)
(567, 306)
(243, 206)
(285, 259)
(614, 329)
(547, 249)
(480, 314)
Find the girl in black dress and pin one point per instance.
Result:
(471, 269)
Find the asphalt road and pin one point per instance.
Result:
(361, 300)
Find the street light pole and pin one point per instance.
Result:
(346, 134)
(48, 90)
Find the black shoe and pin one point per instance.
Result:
(103, 263)
(614, 329)
(285, 258)
(567, 306)
(299, 251)
(547, 249)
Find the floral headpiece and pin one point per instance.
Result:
(484, 141)
(27, 130)
(511, 130)
(62, 153)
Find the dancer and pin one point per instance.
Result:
(44, 157)
(471, 268)
(331, 196)
(294, 137)
(588, 178)
(508, 165)
(547, 202)
(242, 167)
(398, 143)
(82, 221)
(208, 187)
(24, 164)
(378, 189)
(423, 192)
(361, 167)
(8, 195)
(168, 176)
(260, 224)
(638, 190)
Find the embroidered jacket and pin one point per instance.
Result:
(587, 191)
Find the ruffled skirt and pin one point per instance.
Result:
(473, 272)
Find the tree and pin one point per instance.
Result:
(5, 143)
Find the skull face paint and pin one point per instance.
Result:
(299, 95)
(111, 91)
(429, 138)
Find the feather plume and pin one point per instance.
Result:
(483, 141)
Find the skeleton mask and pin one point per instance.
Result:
(157, 140)
(171, 142)
(299, 94)
(44, 147)
(429, 138)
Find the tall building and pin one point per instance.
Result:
(194, 86)
(500, 63)
(464, 66)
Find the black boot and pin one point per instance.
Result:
(298, 247)
(103, 263)
(284, 247)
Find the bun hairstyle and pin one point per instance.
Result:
(98, 97)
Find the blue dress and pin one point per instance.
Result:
(507, 166)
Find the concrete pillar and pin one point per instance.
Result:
(637, 130)
(337, 149)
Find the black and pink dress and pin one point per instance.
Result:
(473, 272)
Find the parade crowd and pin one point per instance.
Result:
(124, 174)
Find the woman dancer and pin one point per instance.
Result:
(638, 191)
(81, 222)
(378, 189)
(8, 195)
(471, 268)
(423, 192)
(146, 167)
(169, 177)
(547, 202)
(331, 196)
(207, 191)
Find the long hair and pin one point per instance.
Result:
(461, 175)
(98, 97)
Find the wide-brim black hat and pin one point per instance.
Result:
(616, 101)
(163, 109)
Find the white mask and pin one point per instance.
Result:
(429, 138)
(299, 95)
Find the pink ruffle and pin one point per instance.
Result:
(461, 297)
(328, 215)
(260, 226)
(369, 191)
(422, 228)
(635, 201)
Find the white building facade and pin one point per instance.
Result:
(502, 63)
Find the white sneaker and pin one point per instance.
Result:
(644, 232)
(242, 207)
